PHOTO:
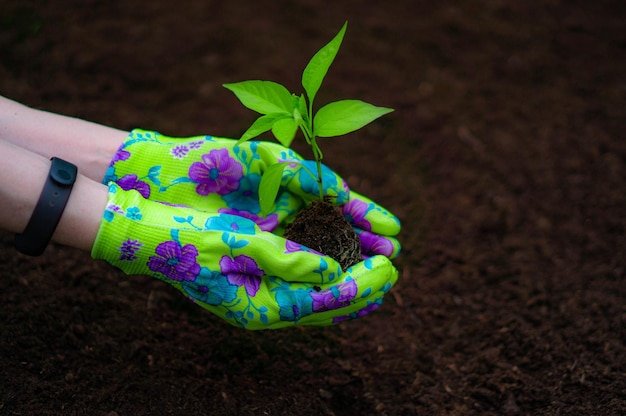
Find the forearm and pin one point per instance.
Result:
(23, 176)
(88, 145)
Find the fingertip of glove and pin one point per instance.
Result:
(397, 248)
(384, 222)
(379, 267)
(381, 220)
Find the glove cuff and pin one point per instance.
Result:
(142, 151)
(135, 234)
(114, 242)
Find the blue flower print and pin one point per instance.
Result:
(246, 198)
(139, 135)
(309, 183)
(134, 214)
(210, 287)
(111, 210)
(294, 304)
(267, 223)
(109, 175)
(107, 216)
(231, 223)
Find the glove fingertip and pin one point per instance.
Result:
(377, 270)
(368, 215)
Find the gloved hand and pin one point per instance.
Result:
(228, 265)
(212, 174)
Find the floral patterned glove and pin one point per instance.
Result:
(213, 175)
(227, 264)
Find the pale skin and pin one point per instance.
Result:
(28, 139)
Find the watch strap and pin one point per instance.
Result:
(49, 209)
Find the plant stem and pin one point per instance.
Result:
(309, 134)
(317, 153)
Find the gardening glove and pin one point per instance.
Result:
(228, 265)
(215, 175)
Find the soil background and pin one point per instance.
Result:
(505, 160)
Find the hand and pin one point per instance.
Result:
(212, 174)
(228, 265)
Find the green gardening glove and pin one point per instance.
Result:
(229, 266)
(215, 175)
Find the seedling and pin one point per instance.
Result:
(284, 113)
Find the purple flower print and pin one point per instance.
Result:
(128, 250)
(179, 151)
(345, 186)
(369, 308)
(195, 145)
(373, 244)
(115, 208)
(129, 182)
(242, 271)
(265, 223)
(175, 262)
(293, 247)
(217, 173)
(120, 155)
(172, 205)
(336, 297)
(355, 211)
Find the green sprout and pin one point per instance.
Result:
(283, 113)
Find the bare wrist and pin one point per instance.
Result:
(90, 146)
(80, 222)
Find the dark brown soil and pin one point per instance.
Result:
(505, 160)
(323, 228)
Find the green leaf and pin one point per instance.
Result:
(345, 116)
(316, 69)
(265, 97)
(269, 185)
(302, 108)
(285, 130)
(260, 126)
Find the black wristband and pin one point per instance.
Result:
(47, 213)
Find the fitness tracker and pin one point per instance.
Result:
(49, 208)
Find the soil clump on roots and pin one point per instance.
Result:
(322, 227)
